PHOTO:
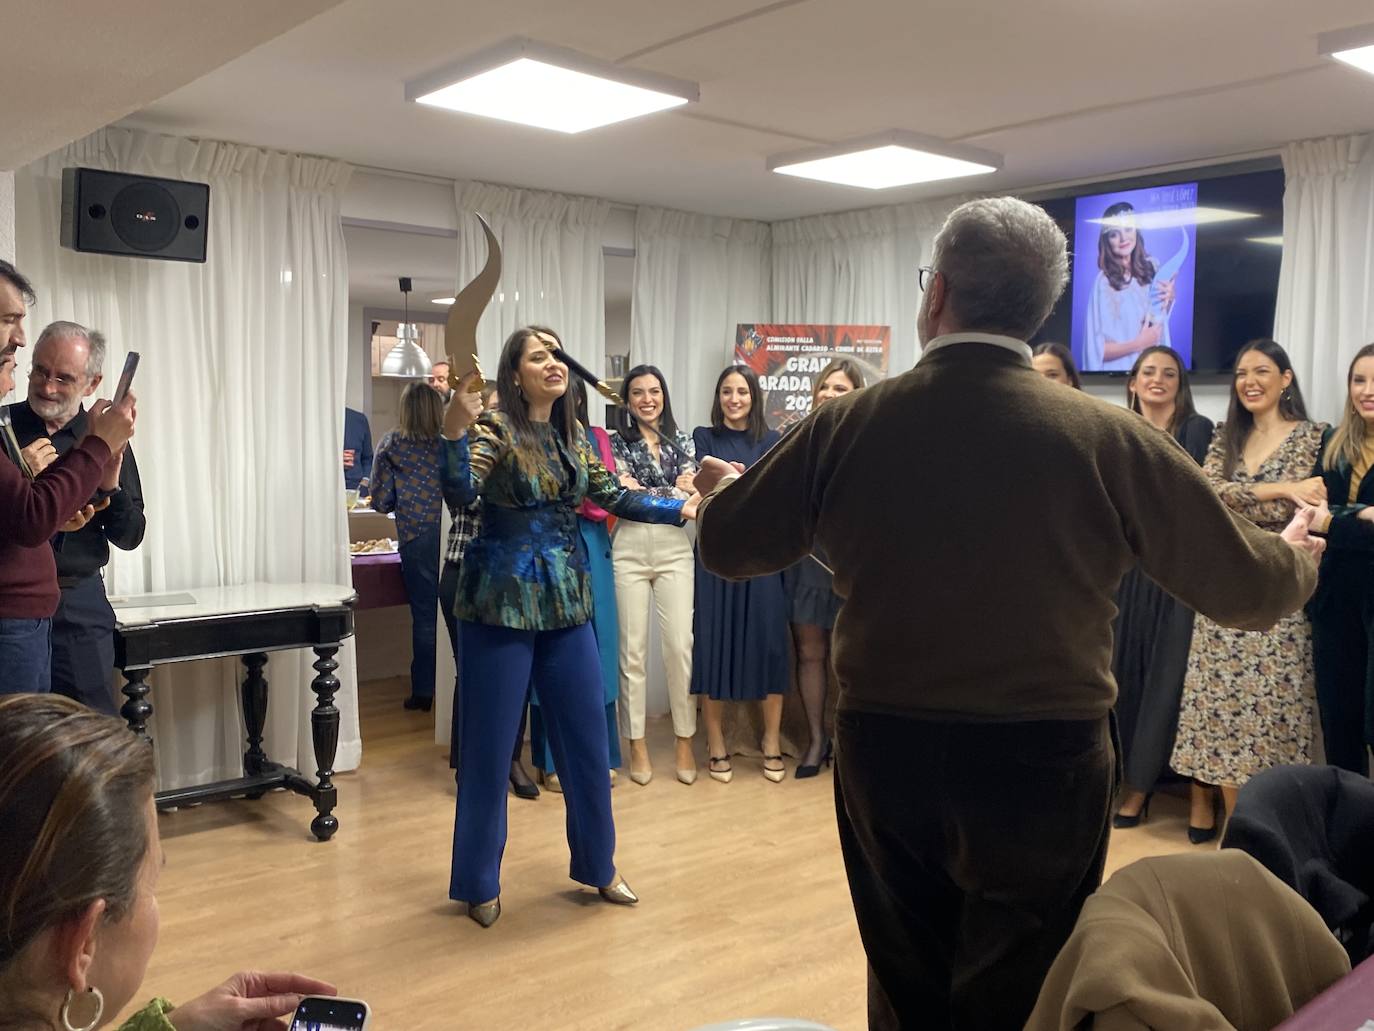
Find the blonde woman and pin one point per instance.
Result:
(1343, 607)
(811, 600)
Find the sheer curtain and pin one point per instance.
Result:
(696, 278)
(552, 269)
(1325, 310)
(241, 405)
(858, 267)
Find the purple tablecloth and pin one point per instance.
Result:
(377, 579)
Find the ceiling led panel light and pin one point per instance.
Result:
(887, 160)
(548, 87)
(1354, 46)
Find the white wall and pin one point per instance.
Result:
(7, 216)
(358, 365)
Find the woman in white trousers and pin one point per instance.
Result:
(654, 563)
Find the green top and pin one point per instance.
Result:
(527, 568)
(152, 1017)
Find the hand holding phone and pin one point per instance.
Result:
(323, 1013)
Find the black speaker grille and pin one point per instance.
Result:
(145, 216)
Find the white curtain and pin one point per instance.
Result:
(241, 395)
(1325, 310)
(552, 270)
(696, 278)
(858, 267)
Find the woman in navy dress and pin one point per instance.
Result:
(739, 640)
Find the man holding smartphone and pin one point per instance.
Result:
(67, 364)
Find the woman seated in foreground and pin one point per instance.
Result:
(78, 873)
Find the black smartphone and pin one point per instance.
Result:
(321, 1013)
(126, 378)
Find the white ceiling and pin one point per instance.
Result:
(72, 66)
(1065, 89)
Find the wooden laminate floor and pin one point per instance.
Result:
(745, 910)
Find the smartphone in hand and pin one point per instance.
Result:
(126, 378)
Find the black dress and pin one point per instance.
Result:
(740, 641)
(1153, 632)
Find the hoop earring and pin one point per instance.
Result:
(66, 1010)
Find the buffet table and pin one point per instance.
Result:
(250, 620)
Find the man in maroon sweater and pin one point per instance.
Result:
(33, 510)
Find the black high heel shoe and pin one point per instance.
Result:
(826, 760)
(416, 702)
(522, 785)
(1202, 835)
(1121, 821)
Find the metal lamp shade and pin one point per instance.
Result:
(407, 360)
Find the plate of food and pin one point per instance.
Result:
(381, 546)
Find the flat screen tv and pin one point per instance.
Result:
(1189, 260)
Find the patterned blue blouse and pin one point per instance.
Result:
(527, 567)
(405, 480)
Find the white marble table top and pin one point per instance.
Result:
(199, 602)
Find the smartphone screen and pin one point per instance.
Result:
(319, 1013)
(126, 378)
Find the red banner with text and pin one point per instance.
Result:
(788, 358)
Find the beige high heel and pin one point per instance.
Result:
(724, 776)
(640, 777)
(686, 774)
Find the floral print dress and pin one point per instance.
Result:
(1248, 696)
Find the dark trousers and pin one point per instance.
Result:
(448, 598)
(420, 573)
(498, 663)
(25, 656)
(969, 848)
(1343, 654)
(83, 645)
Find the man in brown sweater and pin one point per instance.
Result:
(979, 519)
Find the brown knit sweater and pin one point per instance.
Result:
(979, 519)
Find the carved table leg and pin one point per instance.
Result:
(254, 714)
(324, 729)
(137, 710)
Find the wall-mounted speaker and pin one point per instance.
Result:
(136, 215)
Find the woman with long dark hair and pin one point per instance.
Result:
(1120, 322)
(812, 604)
(1055, 362)
(78, 882)
(1343, 607)
(739, 641)
(1153, 630)
(1248, 695)
(654, 563)
(405, 480)
(525, 609)
(591, 524)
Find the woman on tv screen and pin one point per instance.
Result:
(1124, 316)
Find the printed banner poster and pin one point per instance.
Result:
(1133, 265)
(787, 359)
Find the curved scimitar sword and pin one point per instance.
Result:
(460, 332)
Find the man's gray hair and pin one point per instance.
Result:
(95, 343)
(1004, 262)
